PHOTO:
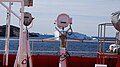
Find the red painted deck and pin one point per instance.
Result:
(53, 61)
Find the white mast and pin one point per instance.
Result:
(23, 54)
(19, 56)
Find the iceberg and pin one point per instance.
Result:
(79, 36)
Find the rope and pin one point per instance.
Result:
(27, 33)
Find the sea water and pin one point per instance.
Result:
(52, 48)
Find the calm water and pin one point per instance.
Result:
(54, 46)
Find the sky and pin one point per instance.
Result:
(85, 14)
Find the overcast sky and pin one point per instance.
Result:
(86, 14)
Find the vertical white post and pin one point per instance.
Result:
(18, 60)
(62, 61)
(8, 37)
(24, 54)
(21, 33)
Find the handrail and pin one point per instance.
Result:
(78, 52)
(33, 41)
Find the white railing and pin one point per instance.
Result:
(33, 51)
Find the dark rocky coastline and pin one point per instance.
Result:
(14, 31)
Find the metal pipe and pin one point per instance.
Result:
(98, 37)
(17, 60)
(100, 42)
(21, 31)
(10, 10)
(10, 0)
(104, 42)
(104, 38)
(8, 35)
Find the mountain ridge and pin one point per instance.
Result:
(14, 32)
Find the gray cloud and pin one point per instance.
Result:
(84, 13)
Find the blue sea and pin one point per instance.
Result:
(52, 48)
